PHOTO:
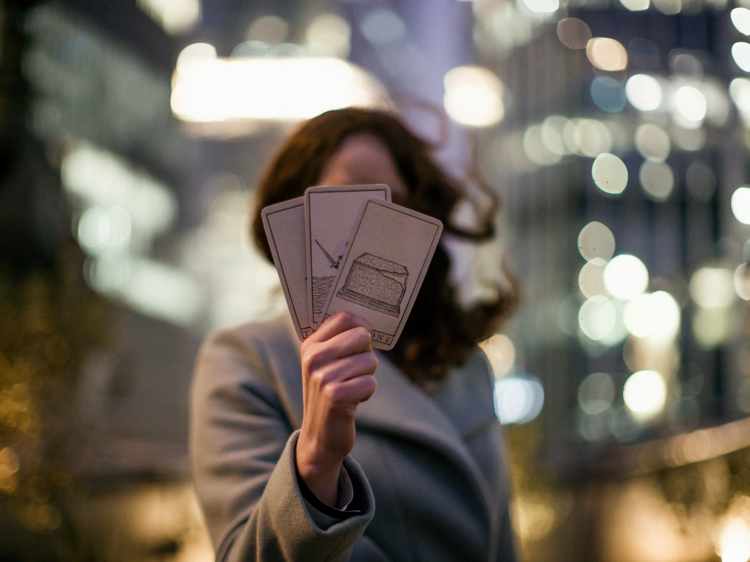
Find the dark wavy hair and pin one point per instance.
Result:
(439, 333)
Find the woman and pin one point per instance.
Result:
(277, 467)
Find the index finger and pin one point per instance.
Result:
(338, 323)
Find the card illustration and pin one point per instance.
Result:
(330, 212)
(382, 271)
(376, 283)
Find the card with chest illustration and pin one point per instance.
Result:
(382, 271)
(284, 224)
(330, 212)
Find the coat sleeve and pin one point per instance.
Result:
(242, 448)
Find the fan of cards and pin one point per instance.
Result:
(350, 248)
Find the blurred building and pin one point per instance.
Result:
(613, 131)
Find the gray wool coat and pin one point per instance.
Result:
(429, 470)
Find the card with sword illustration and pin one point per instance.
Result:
(330, 213)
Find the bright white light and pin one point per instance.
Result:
(607, 54)
(712, 287)
(193, 57)
(103, 180)
(518, 399)
(741, 20)
(691, 103)
(735, 551)
(500, 352)
(655, 316)
(596, 393)
(645, 394)
(542, 6)
(741, 55)
(596, 241)
(636, 5)
(175, 16)
(271, 89)
(739, 89)
(610, 173)
(625, 276)
(652, 142)
(741, 204)
(473, 96)
(597, 318)
(643, 92)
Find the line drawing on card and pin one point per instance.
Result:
(321, 286)
(376, 283)
(333, 262)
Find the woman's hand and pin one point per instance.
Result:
(338, 367)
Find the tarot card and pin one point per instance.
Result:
(330, 213)
(284, 224)
(387, 258)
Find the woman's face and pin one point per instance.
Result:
(364, 159)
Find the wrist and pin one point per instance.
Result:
(320, 474)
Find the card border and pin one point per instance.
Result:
(308, 238)
(265, 213)
(423, 270)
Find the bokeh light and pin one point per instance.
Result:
(625, 276)
(636, 5)
(596, 393)
(552, 132)
(741, 19)
(518, 399)
(712, 287)
(691, 103)
(643, 92)
(645, 394)
(536, 149)
(655, 316)
(668, 7)
(501, 354)
(542, 6)
(268, 29)
(607, 54)
(473, 96)
(596, 241)
(652, 142)
(608, 94)
(591, 279)
(588, 137)
(657, 180)
(193, 56)
(331, 33)
(741, 204)
(597, 318)
(610, 173)
(573, 33)
(711, 326)
(383, 26)
(741, 55)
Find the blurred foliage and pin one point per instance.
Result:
(48, 319)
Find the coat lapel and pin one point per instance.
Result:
(400, 408)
